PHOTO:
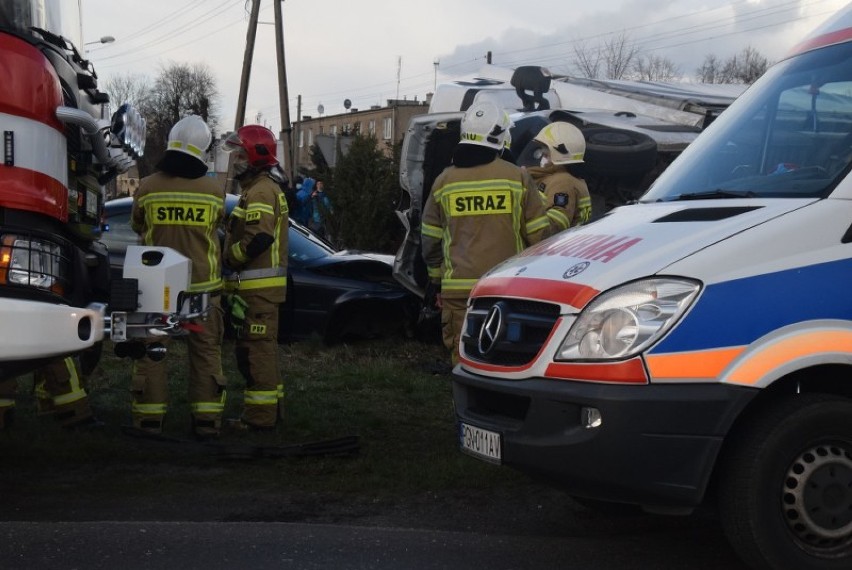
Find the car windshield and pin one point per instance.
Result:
(788, 136)
(303, 246)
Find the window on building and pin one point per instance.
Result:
(372, 127)
(301, 139)
(334, 130)
(388, 128)
(310, 137)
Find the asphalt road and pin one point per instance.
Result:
(224, 545)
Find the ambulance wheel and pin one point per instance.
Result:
(785, 486)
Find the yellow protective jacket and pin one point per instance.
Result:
(256, 241)
(552, 180)
(183, 214)
(476, 217)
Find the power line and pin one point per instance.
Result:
(197, 20)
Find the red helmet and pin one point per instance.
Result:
(259, 144)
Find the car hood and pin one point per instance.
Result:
(629, 243)
(368, 267)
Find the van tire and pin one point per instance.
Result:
(785, 485)
(617, 152)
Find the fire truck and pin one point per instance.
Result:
(61, 144)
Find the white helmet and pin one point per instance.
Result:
(565, 142)
(191, 136)
(485, 124)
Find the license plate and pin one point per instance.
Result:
(480, 443)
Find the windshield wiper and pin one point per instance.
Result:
(716, 194)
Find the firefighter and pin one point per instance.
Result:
(562, 144)
(180, 207)
(59, 391)
(256, 253)
(481, 210)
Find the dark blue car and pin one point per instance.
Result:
(334, 295)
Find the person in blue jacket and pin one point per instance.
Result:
(320, 206)
(302, 213)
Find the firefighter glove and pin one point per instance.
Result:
(238, 307)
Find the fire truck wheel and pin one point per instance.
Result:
(785, 486)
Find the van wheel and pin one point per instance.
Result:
(617, 152)
(785, 486)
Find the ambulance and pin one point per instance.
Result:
(695, 347)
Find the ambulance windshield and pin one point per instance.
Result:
(787, 136)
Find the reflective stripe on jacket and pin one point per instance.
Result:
(477, 217)
(553, 180)
(183, 214)
(261, 214)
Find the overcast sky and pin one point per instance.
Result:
(369, 51)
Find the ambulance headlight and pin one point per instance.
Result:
(626, 320)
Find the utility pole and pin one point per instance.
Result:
(244, 83)
(247, 58)
(283, 97)
(297, 136)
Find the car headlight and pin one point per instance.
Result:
(624, 321)
(25, 260)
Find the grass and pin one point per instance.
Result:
(384, 391)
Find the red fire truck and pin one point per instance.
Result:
(61, 143)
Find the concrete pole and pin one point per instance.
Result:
(283, 97)
(239, 121)
(247, 59)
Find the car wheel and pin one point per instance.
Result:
(616, 152)
(786, 485)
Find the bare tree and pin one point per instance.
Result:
(130, 88)
(618, 55)
(710, 69)
(655, 68)
(752, 65)
(587, 61)
(179, 90)
(744, 67)
(612, 60)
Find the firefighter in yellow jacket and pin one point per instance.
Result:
(481, 211)
(562, 144)
(256, 252)
(180, 207)
(59, 391)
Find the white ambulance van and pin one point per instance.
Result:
(696, 346)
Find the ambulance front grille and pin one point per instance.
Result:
(525, 327)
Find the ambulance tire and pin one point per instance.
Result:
(617, 152)
(785, 486)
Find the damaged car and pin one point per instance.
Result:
(332, 295)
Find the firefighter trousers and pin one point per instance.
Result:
(452, 322)
(206, 384)
(257, 360)
(59, 392)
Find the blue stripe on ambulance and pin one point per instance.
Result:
(761, 304)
